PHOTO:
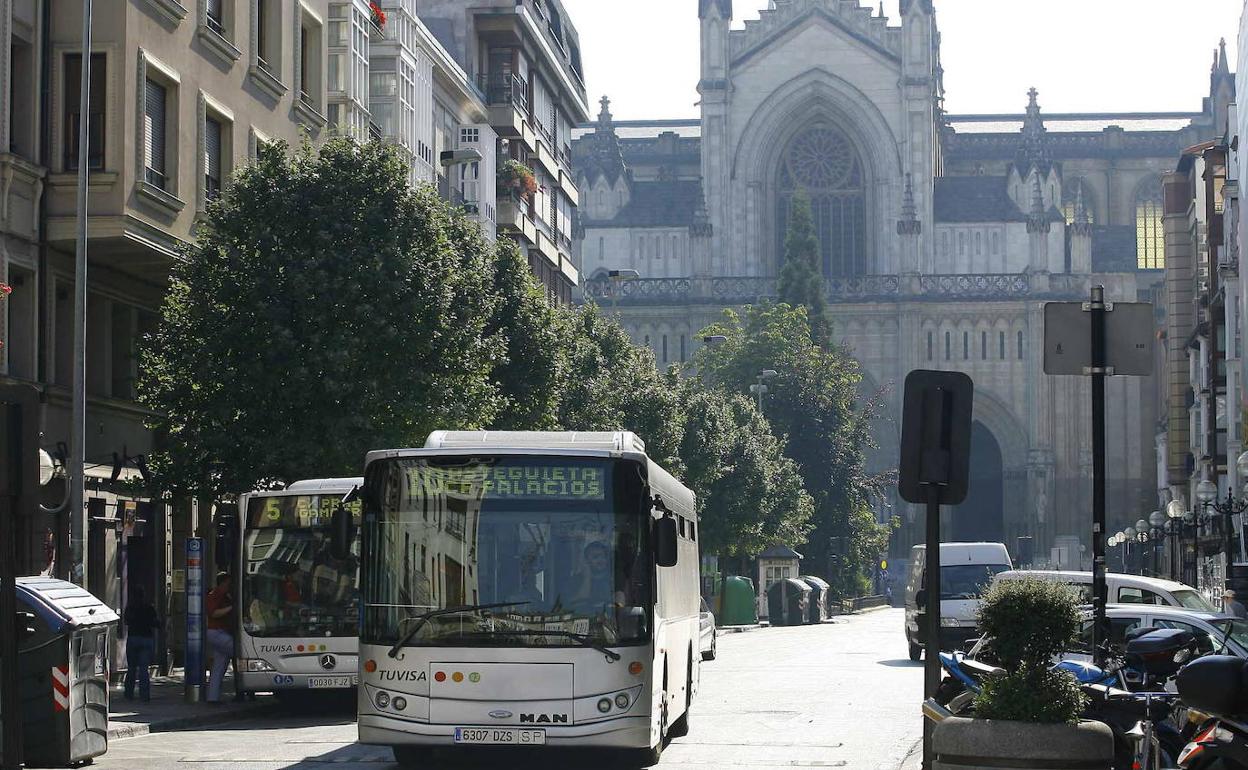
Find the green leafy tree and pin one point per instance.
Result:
(325, 309)
(528, 328)
(813, 404)
(801, 278)
(750, 496)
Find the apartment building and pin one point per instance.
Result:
(524, 56)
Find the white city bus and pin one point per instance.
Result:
(299, 610)
(526, 589)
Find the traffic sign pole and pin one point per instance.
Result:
(1098, 370)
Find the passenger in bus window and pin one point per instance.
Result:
(597, 580)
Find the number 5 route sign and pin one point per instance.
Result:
(1129, 336)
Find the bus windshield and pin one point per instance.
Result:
(292, 584)
(561, 540)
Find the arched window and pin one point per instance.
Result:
(823, 163)
(1150, 239)
(979, 244)
(1070, 194)
(1020, 346)
(946, 346)
(929, 346)
(996, 244)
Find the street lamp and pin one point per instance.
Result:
(760, 388)
(616, 277)
(1157, 534)
(1207, 494)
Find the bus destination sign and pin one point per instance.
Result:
(510, 482)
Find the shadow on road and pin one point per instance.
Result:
(901, 663)
(477, 759)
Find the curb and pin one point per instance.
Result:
(738, 629)
(119, 730)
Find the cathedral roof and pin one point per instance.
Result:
(1113, 249)
(978, 199)
(671, 203)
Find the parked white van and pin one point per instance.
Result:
(1123, 589)
(966, 569)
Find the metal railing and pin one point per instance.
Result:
(747, 289)
(504, 89)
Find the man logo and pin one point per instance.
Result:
(500, 714)
(328, 662)
(544, 719)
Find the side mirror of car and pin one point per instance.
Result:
(666, 542)
(920, 598)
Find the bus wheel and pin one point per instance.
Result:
(680, 728)
(413, 756)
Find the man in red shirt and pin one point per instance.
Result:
(219, 610)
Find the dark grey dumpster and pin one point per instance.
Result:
(64, 673)
(817, 612)
(786, 602)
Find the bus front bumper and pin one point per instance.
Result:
(623, 733)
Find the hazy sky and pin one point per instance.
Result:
(1083, 55)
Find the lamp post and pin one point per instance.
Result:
(1175, 512)
(1128, 537)
(1157, 534)
(760, 388)
(616, 277)
(1207, 494)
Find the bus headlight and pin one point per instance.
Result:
(621, 701)
(254, 665)
(399, 703)
(604, 705)
(382, 700)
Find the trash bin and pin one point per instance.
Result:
(787, 602)
(64, 669)
(817, 612)
(736, 602)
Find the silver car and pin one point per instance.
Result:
(708, 634)
(1226, 634)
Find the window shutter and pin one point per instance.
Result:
(212, 157)
(154, 132)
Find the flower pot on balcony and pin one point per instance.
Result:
(988, 744)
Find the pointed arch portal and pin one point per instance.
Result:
(823, 163)
(981, 517)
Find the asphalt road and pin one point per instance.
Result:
(836, 695)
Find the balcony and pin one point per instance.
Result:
(514, 219)
(546, 247)
(508, 99)
(544, 156)
(568, 185)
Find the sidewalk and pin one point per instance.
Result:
(168, 709)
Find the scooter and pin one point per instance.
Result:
(1217, 687)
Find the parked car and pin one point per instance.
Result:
(966, 569)
(1123, 589)
(708, 633)
(1216, 632)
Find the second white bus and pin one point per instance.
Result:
(526, 590)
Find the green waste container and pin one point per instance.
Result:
(64, 669)
(737, 603)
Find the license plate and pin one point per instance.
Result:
(329, 682)
(500, 735)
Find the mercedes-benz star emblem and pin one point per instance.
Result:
(328, 662)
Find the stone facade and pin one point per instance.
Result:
(943, 236)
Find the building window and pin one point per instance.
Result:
(966, 345)
(1020, 346)
(1001, 345)
(983, 346)
(1150, 239)
(822, 162)
(947, 346)
(212, 158)
(154, 132)
(929, 346)
(216, 17)
(682, 349)
(996, 244)
(95, 110)
(979, 244)
(665, 348)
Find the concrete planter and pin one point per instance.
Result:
(985, 744)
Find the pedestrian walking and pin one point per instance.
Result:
(142, 623)
(219, 607)
(1232, 606)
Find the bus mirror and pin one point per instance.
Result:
(343, 532)
(633, 622)
(665, 542)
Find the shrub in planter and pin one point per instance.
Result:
(1030, 622)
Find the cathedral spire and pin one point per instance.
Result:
(605, 156)
(1081, 211)
(909, 223)
(1033, 150)
(1037, 216)
(604, 115)
(723, 6)
(1221, 64)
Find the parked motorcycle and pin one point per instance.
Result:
(1217, 687)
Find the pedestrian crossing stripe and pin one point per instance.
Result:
(60, 688)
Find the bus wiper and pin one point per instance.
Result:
(424, 617)
(584, 639)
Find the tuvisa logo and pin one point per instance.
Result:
(544, 719)
(276, 648)
(403, 676)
